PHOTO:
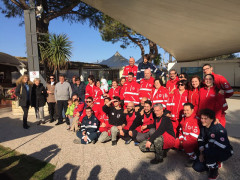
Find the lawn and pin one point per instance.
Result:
(14, 165)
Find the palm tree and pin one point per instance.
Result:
(56, 52)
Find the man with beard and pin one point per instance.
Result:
(140, 107)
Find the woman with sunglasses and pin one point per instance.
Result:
(193, 93)
(210, 98)
(51, 98)
(176, 104)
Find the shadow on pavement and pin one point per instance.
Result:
(12, 129)
(65, 170)
(27, 167)
(94, 173)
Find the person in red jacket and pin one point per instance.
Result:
(188, 133)
(159, 93)
(97, 93)
(130, 68)
(130, 91)
(115, 90)
(122, 82)
(146, 85)
(193, 93)
(139, 130)
(90, 88)
(211, 98)
(130, 117)
(172, 82)
(176, 105)
(105, 127)
(95, 108)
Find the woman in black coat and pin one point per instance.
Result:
(38, 101)
(23, 92)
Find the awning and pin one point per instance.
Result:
(188, 30)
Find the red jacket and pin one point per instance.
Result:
(146, 87)
(172, 84)
(223, 84)
(90, 91)
(129, 120)
(130, 92)
(129, 69)
(97, 96)
(96, 112)
(176, 107)
(193, 97)
(78, 108)
(146, 121)
(188, 133)
(114, 92)
(211, 100)
(104, 119)
(161, 96)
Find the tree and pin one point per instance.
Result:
(114, 31)
(71, 10)
(56, 52)
(157, 60)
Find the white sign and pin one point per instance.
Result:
(33, 75)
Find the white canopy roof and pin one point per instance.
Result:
(188, 30)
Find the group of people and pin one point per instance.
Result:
(185, 114)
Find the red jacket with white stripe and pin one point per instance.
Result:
(104, 119)
(114, 92)
(129, 69)
(160, 96)
(193, 97)
(211, 100)
(146, 87)
(96, 112)
(90, 91)
(223, 84)
(189, 129)
(130, 92)
(97, 97)
(176, 104)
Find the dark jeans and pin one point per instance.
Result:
(61, 105)
(51, 109)
(25, 114)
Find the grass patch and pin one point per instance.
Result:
(14, 165)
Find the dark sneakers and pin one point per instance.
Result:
(128, 142)
(114, 143)
(26, 126)
(189, 163)
(59, 122)
(156, 161)
(213, 173)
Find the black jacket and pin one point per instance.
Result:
(79, 90)
(24, 98)
(116, 117)
(39, 95)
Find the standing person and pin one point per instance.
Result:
(146, 85)
(139, 130)
(159, 94)
(117, 118)
(115, 90)
(162, 139)
(130, 68)
(38, 101)
(122, 82)
(90, 88)
(73, 81)
(211, 98)
(183, 76)
(172, 82)
(213, 143)
(146, 64)
(193, 93)
(98, 93)
(63, 92)
(51, 98)
(188, 133)
(176, 104)
(24, 92)
(130, 91)
(79, 88)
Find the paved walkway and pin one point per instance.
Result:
(102, 161)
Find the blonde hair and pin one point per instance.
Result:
(20, 80)
(36, 79)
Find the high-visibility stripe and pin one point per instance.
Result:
(192, 134)
(157, 101)
(218, 143)
(137, 94)
(225, 105)
(90, 126)
(190, 154)
(229, 91)
(180, 137)
(135, 102)
(145, 89)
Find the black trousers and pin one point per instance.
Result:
(126, 136)
(61, 105)
(25, 114)
(51, 109)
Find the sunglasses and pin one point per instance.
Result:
(181, 84)
(51, 78)
(88, 101)
(181, 76)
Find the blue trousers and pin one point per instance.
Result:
(90, 137)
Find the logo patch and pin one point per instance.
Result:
(90, 122)
(212, 135)
(118, 116)
(222, 139)
(189, 127)
(195, 130)
(221, 131)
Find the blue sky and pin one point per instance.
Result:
(87, 43)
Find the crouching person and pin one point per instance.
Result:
(188, 133)
(162, 139)
(213, 143)
(89, 129)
